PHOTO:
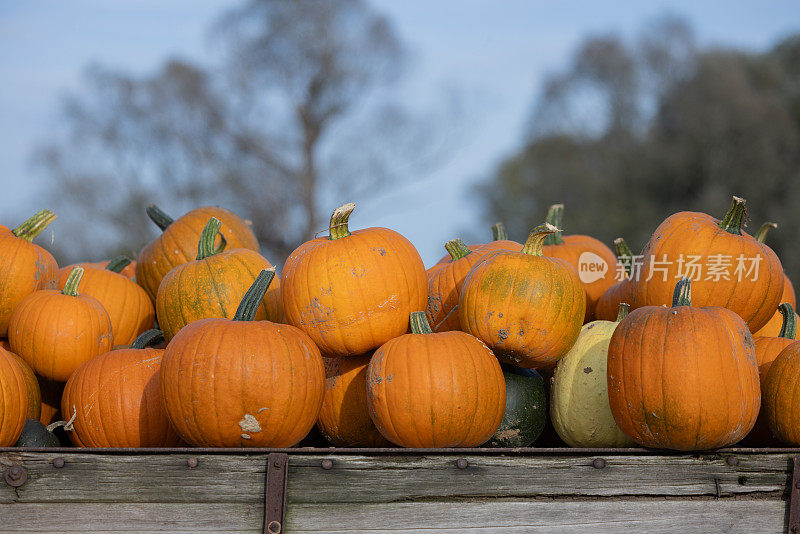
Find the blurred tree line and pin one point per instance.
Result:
(635, 130)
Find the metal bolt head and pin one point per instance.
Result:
(274, 527)
(58, 463)
(462, 463)
(16, 475)
(732, 461)
(598, 463)
(327, 463)
(192, 462)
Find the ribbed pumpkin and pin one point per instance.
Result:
(24, 266)
(712, 243)
(624, 291)
(444, 285)
(592, 259)
(579, 406)
(51, 400)
(500, 241)
(178, 242)
(56, 331)
(213, 286)
(344, 417)
(773, 326)
(242, 383)
(34, 410)
(683, 378)
(128, 305)
(435, 390)
(526, 409)
(781, 391)
(526, 307)
(116, 398)
(352, 292)
(13, 399)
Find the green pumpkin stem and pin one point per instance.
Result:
(736, 217)
(555, 216)
(457, 249)
(683, 293)
(761, 235)
(789, 326)
(35, 225)
(161, 219)
(73, 281)
(145, 339)
(419, 323)
(252, 299)
(624, 310)
(537, 238)
(624, 255)
(338, 226)
(117, 264)
(205, 247)
(499, 232)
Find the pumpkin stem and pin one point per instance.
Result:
(735, 218)
(761, 235)
(555, 216)
(683, 293)
(624, 255)
(66, 424)
(499, 232)
(419, 323)
(117, 264)
(161, 219)
(624, 310)
(537, 237)
(252, 299)
(338, 227)
(73, 281)
(457, 249)
(145, 339)
(205, 247)
(35, 225)
(789, 327)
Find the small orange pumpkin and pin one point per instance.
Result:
(25, 267)
(781, 391)
(56, 331)
(116, 399)
(623, 291)
(444, 285)
(32, 384)
(773, 326)
(13, 399)
(435, 390)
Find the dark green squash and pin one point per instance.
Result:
(35, 434)
(526, 409)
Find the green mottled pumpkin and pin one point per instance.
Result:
(36, 435)
(526, 409)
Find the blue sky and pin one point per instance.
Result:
(494, 52)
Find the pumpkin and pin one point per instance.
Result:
(116, 399)
(621, 292)
(444, 284)
(128, 305)
(435, 390)
(25, 267)
(718, 249)
(781, 391)
(344, 418)
(594, 261)
(683, 378)
(526, 307)
(526, 409)
(500, 241)
(213, 285)
(52, 392)
(36, 435)
(353, 292)
(579, 407)
(242, 383)
(13, 399)
(34, 410)
(773, 326)
(56, 331)
(178, 242)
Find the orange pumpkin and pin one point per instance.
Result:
(34, 410)
(13, 399)
(213, 285)
(435, 390)
(683, 378)
(52, 392)
(352, 292)
(500, 241)
(526, 307)
(595, 263)
(56, 331)
(781, 391)
(621, 292)
(24, 266)
(128, 305)
(773, 326)
(444, 285)
(116, 399)
(716, 248)
(344, 418)
(242, 383)
(178, 242)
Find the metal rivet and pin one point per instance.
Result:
(58, 463)
(598, 463)
(327, 464)
(16, 475)
(276, 464)
(732, 461)
(462, 463)
(192, 462)
(274, 527)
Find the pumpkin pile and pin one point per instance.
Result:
(200, 342)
